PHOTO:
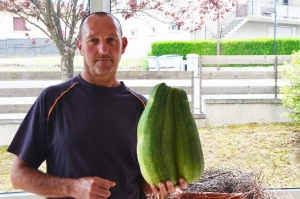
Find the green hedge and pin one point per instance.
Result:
(263, 46)
(205, 47)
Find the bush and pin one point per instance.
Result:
(290, 74)
(201, 47)
(260, 46)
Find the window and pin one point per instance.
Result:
(133, 33)
(19, 24)
(152, 30)
(284, 2)
(174, 27)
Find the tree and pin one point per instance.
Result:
(59, 21)
(60, 18)
(290, 88)
(181, 13)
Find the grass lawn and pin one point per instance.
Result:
(132, 64)
(49, 60)
(272, 150)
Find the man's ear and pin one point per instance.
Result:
(124, 44)
(79, 45)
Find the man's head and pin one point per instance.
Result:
(101, 44)
(99, 14)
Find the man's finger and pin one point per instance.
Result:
(163, 189)
(170, 187)
(183, 183)
(104, 193)
(154, 189)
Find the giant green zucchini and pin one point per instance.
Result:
(155, 147)
(189, 155)
(168, 142)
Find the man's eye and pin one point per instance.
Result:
(111, 39)
(93, 40)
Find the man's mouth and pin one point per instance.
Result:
(103, 59)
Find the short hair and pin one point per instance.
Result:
(100, 13)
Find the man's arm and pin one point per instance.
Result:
(24, 177)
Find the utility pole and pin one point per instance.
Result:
(276, 59)
(275, 25)
(218, 39)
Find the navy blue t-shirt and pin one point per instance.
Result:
(81, 130)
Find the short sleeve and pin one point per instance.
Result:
(30, 142)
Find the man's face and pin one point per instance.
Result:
(101, 46)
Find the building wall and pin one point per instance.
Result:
(221, 112)
(294, 2)
(257, 27)
(247, 31)
(252, 30)
(7, 30)
(139, 45)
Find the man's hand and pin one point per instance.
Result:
(93, 187)
(169, 188)
(30, 179)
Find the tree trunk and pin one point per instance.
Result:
(67, 65)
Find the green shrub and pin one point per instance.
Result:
(204, 47)
(290, 88)
(170, 47)
(201, 47)
(287, 46)
(247, 47)
(261, 46)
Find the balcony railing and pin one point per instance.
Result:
(267, 8)
(257, 8)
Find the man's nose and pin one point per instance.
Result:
(103, 48)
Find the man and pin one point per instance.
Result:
(85, 128)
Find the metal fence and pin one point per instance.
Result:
(267, 8)
(27, 47)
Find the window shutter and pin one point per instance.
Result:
(19, 24)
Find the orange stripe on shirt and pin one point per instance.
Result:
(136, 96)
(58, 99)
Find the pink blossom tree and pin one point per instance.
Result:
(59, 19)
(179, 12)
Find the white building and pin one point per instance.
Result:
(12, 26)
(248, 20)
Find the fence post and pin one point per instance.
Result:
(200, 83)
(193, 92)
